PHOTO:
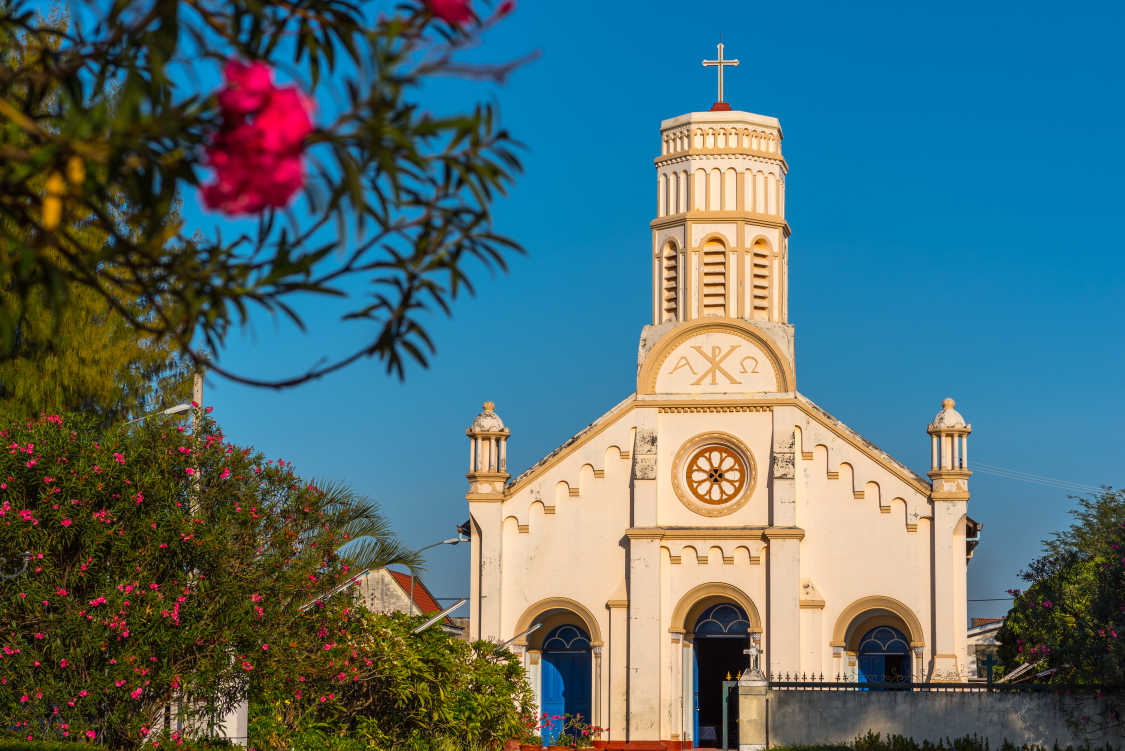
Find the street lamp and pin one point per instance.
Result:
(450, 541)
(179, 409)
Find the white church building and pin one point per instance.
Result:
(717, 508)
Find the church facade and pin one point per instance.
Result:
(717, 509)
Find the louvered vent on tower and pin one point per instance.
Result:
(671, 284)
(714, 280)
(761, 280)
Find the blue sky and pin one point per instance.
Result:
(955, 199)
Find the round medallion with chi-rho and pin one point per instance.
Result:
(716, 474)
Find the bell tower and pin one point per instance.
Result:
(720, 239)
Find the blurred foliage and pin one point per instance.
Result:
(82, 355)
(397, 200)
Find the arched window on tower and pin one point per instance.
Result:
(714, 279)
(671, 283)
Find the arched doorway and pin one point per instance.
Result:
(565, 683)
(884, 656)
(719, 639)
(896, 653)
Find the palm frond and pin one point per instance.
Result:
(372, 542)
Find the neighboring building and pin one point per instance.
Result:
(982, 646)
(717, 506)
(386, 591)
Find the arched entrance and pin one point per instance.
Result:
(565, 683)
(720, 637)
(884, 656)
(872, 652)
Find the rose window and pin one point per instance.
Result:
(716, 474)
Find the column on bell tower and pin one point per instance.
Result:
(720, 239)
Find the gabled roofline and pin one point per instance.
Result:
(794, 399)
(570, 445)
(873, 452)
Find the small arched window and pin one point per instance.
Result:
(566, 638)
(724, 619)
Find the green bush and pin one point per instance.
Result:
(875, 742)
(346, 678)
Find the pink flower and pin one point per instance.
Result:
(257, 153)
(65, 522)
(453, 12)
(91, 734)
(118, 458)
(225, 473)
(189, 470)
(248, 88)
(265, 647)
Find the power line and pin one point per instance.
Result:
(991, 599)
(1030, 477)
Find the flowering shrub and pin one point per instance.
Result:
(365, 677)
(1070, 621)
(160, 566)
(1071, 618)
(573, 730)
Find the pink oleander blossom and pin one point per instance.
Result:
(257, 153)
(453, 12)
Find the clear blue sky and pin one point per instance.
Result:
(955, 199)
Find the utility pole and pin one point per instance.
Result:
(196, 424)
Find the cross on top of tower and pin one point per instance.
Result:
(720, 63)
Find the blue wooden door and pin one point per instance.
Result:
(565, 679)
(871, 669)
(884, 656)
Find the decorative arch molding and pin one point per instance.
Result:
(568, 611)
(716, 238)
(760, 238)
(654, 361)
(698, 599)
(878, 602)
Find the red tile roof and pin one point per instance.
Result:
(423, 600)
(975, 622)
